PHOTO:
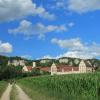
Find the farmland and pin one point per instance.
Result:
(3, 86)
(64, 87)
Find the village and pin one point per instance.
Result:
(56, 69)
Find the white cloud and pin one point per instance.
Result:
(43, 13)
(61, 4)
(47, 57)
(5, 47)
(78, 54)
(15, 9)
(73, 44)
(27, 56)
(83, 6)
(78, 6)
(27, 29)
(75, 48)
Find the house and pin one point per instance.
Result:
(45, 69)
(29, 68)
(83, 67)
(16, 62)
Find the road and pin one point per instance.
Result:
(6, 94)
(21, 94)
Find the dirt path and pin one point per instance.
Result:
(21, 94)
(6, 94)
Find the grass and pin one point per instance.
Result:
(63, 87)
(13, 94)
(3, 86)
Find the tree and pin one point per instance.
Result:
(36, 72)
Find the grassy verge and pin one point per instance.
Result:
(3, 86)
(63, 87)
(13, 94)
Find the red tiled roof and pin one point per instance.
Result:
(67, 69)
(29, 68)
(75, 68)
(60, 68)
(45, 69)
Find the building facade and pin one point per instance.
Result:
(61, 69)
(16, 62)
(29, 68)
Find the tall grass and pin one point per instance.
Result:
(3, 86)
(63, 87)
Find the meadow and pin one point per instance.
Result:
(3, 86)
(62, 87)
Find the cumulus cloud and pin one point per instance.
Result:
(27, 29)
(73, 44)
(5, 47)
(75, 48)
(78, 6)
(43, 13)
(82, 6)
(78, 54)
(15, 9)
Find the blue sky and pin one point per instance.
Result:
(50, 28)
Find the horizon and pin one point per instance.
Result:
(50, 58)
(50, 29)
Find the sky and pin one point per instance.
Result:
(36, 29)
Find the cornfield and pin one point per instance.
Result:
(64, 87)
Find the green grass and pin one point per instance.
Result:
(3, 86)
(63, 87)
(13, 94)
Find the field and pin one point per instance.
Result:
(3, 86)
(63, 87)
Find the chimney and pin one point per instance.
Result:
(34, 64)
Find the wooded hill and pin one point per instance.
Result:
(71, 61)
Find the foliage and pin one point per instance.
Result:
(8, 72)
(35, 72)
(29, 63)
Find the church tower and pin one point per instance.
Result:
(34, 65)
(82, 67)
(53, 69)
